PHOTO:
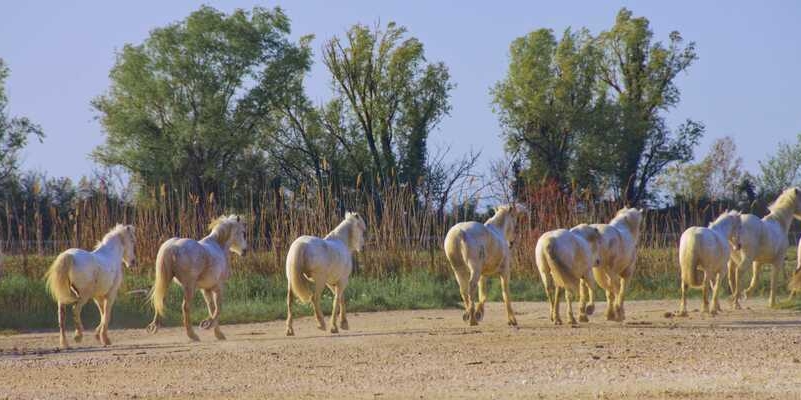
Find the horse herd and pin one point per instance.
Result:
(573, 261)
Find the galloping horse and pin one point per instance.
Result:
(764, 241)
(703, 257)
(618, 253)
(76, 276)
(476, 251)
(324, 262)
(565, 259)
(198, 264)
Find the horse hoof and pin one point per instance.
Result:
(473, 323)
(206, 323)
(151, 329)
(479, 315)
(106, 342)
(513, 323)
(465, 317)
(590, 309)
(290, 332)
(583, 318)
(682, 314)
(334, 329)
(557, 322)
(77, 338)
(344, 325)
(321, 327)
(219, 335)
(193, 337)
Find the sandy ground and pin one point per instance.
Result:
(753, 353)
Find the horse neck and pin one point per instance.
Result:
(112, 246)
(723, 226)
(498, 222)
(342, 233)
(219, 237)
(783, 217)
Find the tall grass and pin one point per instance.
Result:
(403, 265)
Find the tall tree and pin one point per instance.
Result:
(718, 176)
(187, 105)
(546, 102)
(780, 170)
(395, 98)
(639, 75)
(14, 134)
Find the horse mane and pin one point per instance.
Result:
(622, 216)
(784, 206)
(114, 232)
(344, 227)
(221, 228)
(721, 217)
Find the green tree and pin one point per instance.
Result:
(638, 73)
(188, 105)
(718, 176)
(14, 134)
(780, 170)
(547, 103)
(388, 91)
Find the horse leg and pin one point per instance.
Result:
(619, 309)
(289, 300)
(463, 281)
(548, 286)
(736, 292)
(705, 293)
(207, 296)
(755, 268)
(583, 286)
(318, 311)
(774, 273)
(343, 320)
(99, 305)
(62, 316)
(683, 302)
(569, 300)
(216, 295)
(76, 315)
(715, 304)
(335, 308)
(189, 294)
(108, 302)
(590, 309)
(473, 296)
(482, 297)
(507, 301)
(557, 320)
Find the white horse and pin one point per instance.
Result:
(703, 257)
(618, 254)
(198, 264)
(76, 276)
(476, 251)
(323, 262)
(565, 258)
(764, 241)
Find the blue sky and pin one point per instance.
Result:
(746, 84)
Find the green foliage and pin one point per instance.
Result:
(780, 170)
(546, 104)
(188, 103)
(639, 74)
(717, 177)
(14, 135)
(390, 94)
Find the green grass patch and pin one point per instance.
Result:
(251, 296)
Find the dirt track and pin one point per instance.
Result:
(754, 353)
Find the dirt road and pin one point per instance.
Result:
(753, 353)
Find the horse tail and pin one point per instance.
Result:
(559, 270)
(164, 261)
(58, 280)
(296, 281)
(688, 259)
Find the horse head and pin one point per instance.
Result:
(357, 229)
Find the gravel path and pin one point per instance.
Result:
(753, 353)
